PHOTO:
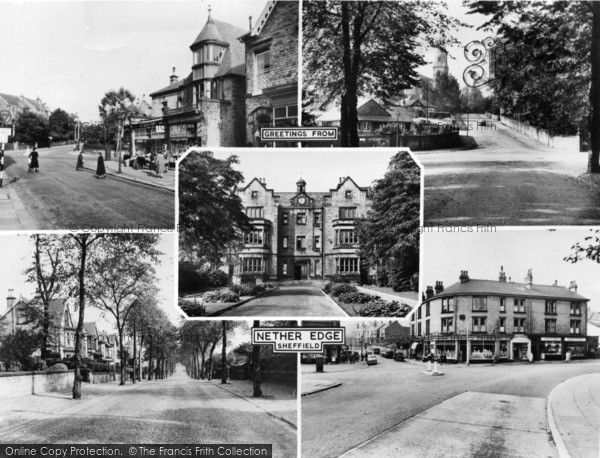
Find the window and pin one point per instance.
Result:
(261, 71)
(551, 326)
(479, 324)
(427, 327)
(502, 325)
(419, 329)
(347, 265)
(300, 242)
(575, 327)
(576, 308)
(519, 325)
(254, 237)
(551, 307)
(285, 218)
(419, 313)
(502, 305)
(301, 218)
(427, 310)
(347, 212)
(285, 242)
(285, 116)
(346, 237)
(254, 194)
(519, 305)
(317, 267)
(448, 305)
(479, 303)
(317, 219)
(284, 268)
(317, 243)
(252, 265)
(348, 194)
(254, 212)
(24, 316)
(447, 324)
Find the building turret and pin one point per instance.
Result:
(441, 63)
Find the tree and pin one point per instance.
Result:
(588, 249)
(114, 108)
(31, 128)
(364, 47)
(18, 346)
(548, 64)
(256, 382)
(389, 235)
(198, 338)
(61, 125)
(211, 215)
(445, 95)
(123, 273)
(49, 273)
(224, 324)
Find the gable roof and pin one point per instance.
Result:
(500, 288)
(173, 87)
(233, 62)
(90, 328)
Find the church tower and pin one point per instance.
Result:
(441, 63)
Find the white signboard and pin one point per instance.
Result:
(5, 132)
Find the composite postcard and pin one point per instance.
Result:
(300, 228)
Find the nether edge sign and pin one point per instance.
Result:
(298, 340)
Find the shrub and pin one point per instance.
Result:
(221, 295)
(341, 288)
(356, 297)
(380, 307)
(192, 308)
(35, 363)
(217, 278)
(58, 368)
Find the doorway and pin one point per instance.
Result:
(298, 272)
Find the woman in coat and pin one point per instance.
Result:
(34, 164)
(160, 164)
(79, 165)
(100, 170)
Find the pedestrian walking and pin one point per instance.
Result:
(568, 356)
(34, 164)
(79, 165)
(168, 159)
(160, 164)
(100, 169)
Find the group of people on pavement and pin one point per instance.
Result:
(161, 165)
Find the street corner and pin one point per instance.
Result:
(316, 386)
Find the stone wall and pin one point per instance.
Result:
(568, 143)
(233, 114)
(24, 383)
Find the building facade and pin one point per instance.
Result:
(478, 320)
(302, 235)
(17, 104)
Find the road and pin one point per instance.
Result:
(290, 301)
(58, 197)
(378, 398)
(508, 180)
(175, 410)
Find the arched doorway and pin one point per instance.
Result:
(300, 270)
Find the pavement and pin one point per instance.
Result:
(574, 416)
(176, 410)
(59, 197)
(289, 301)
(13, 214)
(508, 180)
(393, 409)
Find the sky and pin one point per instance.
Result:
(71, 53)
(320, 168)
(445, 254)
(17, 255)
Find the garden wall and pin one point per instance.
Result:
(570, 143)
(23, 383)
(426, 142)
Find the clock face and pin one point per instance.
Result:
(302, 200)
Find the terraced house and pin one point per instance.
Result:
(479, 320)
(303, 234)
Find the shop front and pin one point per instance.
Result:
(550, 348)
(520, 347)
(577, 346)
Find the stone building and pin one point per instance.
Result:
(477, 319)
(303, 234)
(272, 69)
(16, 105)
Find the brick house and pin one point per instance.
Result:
(272, 69)
(481, 318)
(302, 235)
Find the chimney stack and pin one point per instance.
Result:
(439, 287)
(173, 78)
(573, 287)
(464, 276)
(529, 279)
(555, 283)
(502, 276)
(10, 299)
(429, 292)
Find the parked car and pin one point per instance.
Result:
(371, 358)
(377, 351)
(399, 356)
(388, 354)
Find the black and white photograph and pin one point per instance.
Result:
(94, 350)
(99, 99)
(500, 101)
(500, 357)
(317, 234)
